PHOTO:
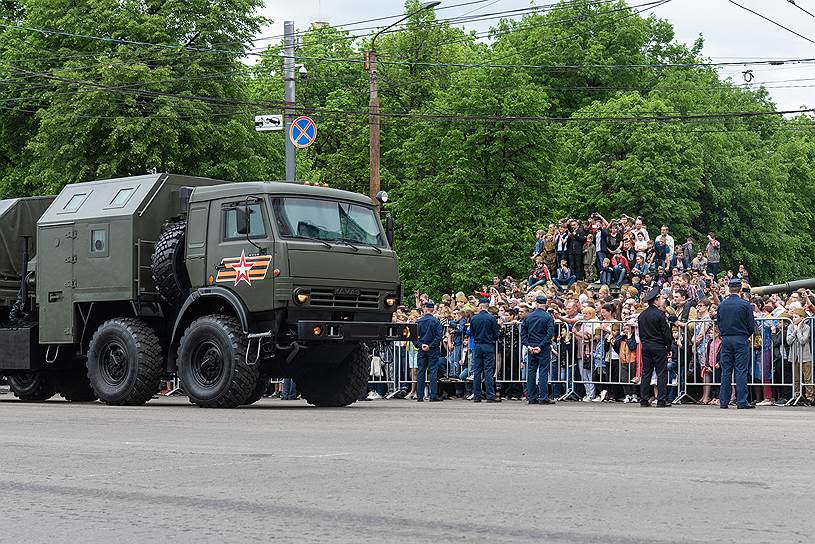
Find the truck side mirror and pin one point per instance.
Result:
(389, 228)
(242, 219)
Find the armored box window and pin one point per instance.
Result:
(99, 240)
(121, 198)
(255, 222)
(74, 203)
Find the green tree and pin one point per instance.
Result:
(102, 108)
(473, 189)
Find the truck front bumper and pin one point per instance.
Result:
(355, 330)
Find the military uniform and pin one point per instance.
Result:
(536, 332)
(656, 338)
(484, 330)
(430, 333)
(736, 325)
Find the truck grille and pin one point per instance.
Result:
(351, 298)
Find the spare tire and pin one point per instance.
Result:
(167, 264)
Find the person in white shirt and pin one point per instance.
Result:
(640, 228)
(669, 243)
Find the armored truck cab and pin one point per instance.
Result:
(223, 284)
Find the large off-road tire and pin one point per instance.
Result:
(167, 264)
(71, 381)
(125, 362)
(212, 363)
(257, 392)
(340, 385)
(35, 385)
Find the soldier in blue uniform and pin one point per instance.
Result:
(484, 331)
(536, 334)
(736, 325)
(430, 334)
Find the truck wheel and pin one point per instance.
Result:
(73, 384)
(212, 363)
(257, 393)
(167, 264)
(31, 386)
(125, 362)
(340, 385)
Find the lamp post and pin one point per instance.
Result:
(373, 106)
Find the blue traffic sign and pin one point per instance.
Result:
(303, 132)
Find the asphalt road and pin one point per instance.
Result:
(398, 471)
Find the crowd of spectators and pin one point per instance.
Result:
(615, 253)
(603, 271)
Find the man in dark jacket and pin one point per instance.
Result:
(600, 235)
(430, 334)
(536, 334)
(484, 330)
(577, 238)
(656, 338)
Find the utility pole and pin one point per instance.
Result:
(288, 112)
(373, 129)
(373, 104)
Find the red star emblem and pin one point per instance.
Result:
(242, 269)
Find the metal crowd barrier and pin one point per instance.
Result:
(801, 337)
(584, 361)
(454, 363)
(770, 360)
(598, 366)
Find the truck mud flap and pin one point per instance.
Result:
(20, 349)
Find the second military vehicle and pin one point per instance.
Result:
(113, 286)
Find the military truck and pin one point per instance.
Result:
(113, 286)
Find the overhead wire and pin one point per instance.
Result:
(801, 8)
(496, 118)
(776, 23)
(638, 118)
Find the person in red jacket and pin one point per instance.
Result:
(621, 268)
(539, 276)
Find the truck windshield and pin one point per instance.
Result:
(327, 220)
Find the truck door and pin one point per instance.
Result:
(242, 264)
(56, 283)
(197, 243)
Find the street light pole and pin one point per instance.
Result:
(373, 105)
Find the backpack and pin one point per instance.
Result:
(627, 356)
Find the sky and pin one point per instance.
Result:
(730, 32)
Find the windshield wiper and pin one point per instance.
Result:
(346, 242)
(313, 239)
(370, 245)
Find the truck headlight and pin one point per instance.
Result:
(390, 300)
(301, 296)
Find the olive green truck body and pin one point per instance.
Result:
(119, 283)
